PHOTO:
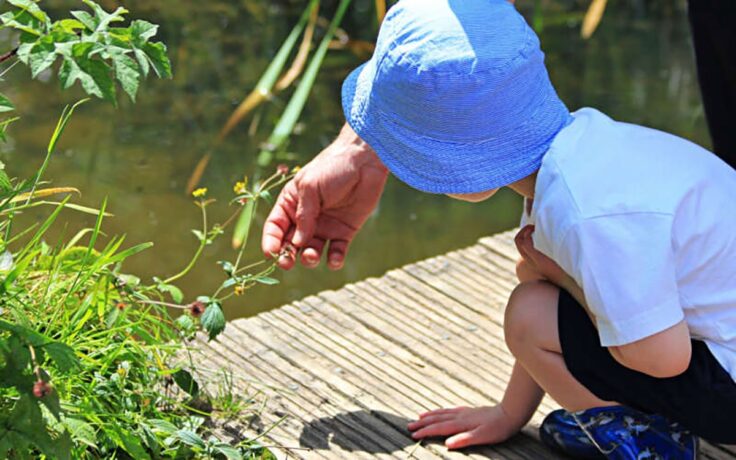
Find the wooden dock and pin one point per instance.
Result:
(344, 371)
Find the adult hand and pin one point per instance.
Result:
(327, 201)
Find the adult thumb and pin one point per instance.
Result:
(307, 212)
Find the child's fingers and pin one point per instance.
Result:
(447, 428)
(460, 440)
(426, 421)
(450, 410)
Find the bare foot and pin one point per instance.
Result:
(466, 426)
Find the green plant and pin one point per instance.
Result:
(92, 364)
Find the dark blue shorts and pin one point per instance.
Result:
(703, 398)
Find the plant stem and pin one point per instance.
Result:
(202, 244)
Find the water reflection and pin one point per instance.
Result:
(637, 67)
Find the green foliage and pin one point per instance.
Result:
(92, 363)
(91, 48)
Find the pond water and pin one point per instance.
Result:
(637, 67)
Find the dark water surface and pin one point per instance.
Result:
(638, 67)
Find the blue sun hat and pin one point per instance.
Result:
(456, 98)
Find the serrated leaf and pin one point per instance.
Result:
(185, 322)
(93, 74)
(186, 382)
(87, 19)
(175, 293)
(62, 355)
(5, 104)
(190, 438)
(41, 56)
(142, 59)
(156, 53)
(126, 72)
(142, 31)
(31, 7)
(24, 22)
(213, 320)
(80, 431)
(103, 17)
(230, 452)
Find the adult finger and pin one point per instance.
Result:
(278, 222)
(312, 253)
(336, 254)
(287, 256)
(307, 212)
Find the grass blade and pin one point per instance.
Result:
(293, 110)
(301, 56)
(242, 227)
(259, 94)
(592, 18)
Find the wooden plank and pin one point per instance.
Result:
(350, 367)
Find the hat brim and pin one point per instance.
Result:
(436, 166)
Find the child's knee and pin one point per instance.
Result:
(530, 308)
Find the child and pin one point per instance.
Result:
(626, 314)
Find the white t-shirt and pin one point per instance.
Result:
(645, 222)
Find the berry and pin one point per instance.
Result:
(41, 389)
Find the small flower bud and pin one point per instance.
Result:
(120, 305)
(282, 169)
(200, 192)
(239, 290)
(196, 308)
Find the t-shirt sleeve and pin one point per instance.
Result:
(625, 265)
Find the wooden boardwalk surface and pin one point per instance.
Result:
(346, 370)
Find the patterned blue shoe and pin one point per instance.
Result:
(622, 433)
(560, 432)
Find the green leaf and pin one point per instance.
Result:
(24, 22)
(31, 7)
(142, 59)
(27, 421)
(267, 280)
(103, 17)
(213, 320)
(80, 431)
(229, 451)
(63, 356)
(242, 227)
(41, 56)
(191, 438)
(5, 104)
(175, 293)
(128, 441)
(127, 73)
(186, 382)
(87, 19)
(156, 53)
(93, 74)
(185, 322)
(141, 32)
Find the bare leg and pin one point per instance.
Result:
(532, 336)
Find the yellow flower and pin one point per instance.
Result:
(239, 290)
(296, 169)
(200, 192)
(239, 187)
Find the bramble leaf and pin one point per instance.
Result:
(213, 320)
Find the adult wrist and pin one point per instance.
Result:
(359, 149)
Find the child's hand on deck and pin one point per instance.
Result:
(536, 263)
(466, 426)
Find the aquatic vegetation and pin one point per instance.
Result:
(92, 362)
